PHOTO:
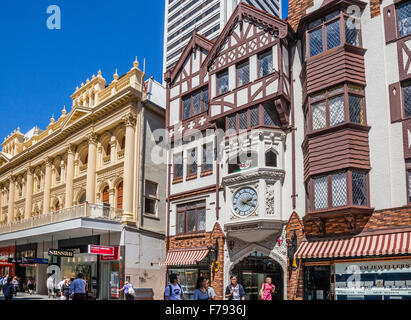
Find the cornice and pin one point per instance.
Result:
(266, 174)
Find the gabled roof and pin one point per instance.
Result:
(76, 113)
(196, 40)
(260, 16)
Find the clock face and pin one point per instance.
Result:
(245, 201)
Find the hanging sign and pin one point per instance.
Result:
(102, 250)
(113, 257)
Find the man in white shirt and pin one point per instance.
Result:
(59, 285)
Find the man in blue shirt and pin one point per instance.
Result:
(174, 291)
(78, 288)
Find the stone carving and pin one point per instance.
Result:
(270, 175)
(269, 201)
(130, 119)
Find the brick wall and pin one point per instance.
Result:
(295, 284)
(389, 218)
(201, 240)
(296, 10)
(375, 8)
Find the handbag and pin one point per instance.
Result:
(131, 291)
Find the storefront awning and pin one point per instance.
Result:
(360, 246)
(185, 257)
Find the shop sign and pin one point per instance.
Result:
(113, 257)
(61, 253)
(102, 250)
(29, 261)
(6, 263)
(28, 265)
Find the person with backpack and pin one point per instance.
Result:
(174, 291)
(128, 291)
(234, 290)
(8, 289)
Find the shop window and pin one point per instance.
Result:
(192, 165)
(265, 63)
(328, 108)
(191, 217)
(325, 33)
(195, 103)
(208, 157)
(404, 18)
(243, 73)
(222, 82)
(178, 166)
(270, 159)
(150, 197)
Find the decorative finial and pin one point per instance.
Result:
(52, 119)
(18, 129)
(136, 63)
(63, 112)
(77, 88)
(82, 84)
(115, 76)
(88, 80)
(99, 73)
(93, 76)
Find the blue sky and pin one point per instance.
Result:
(40, 68)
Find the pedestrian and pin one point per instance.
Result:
(1, 283)
(4, 281)
(30, 286)
(78, 288)
(8, 289)
(200, 292)
(58, 287)
(51, 284)
(174, 291)
(267, 289)
(15, 283)
(65, 290)
(210, 291)
(234, 290)
(128, 291)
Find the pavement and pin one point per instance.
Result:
(26, 296)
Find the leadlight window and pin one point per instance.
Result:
(339, 189)
(359, 188)
(222, 82)
(195, 103)
(271, 116)
(321, 193)
(407, 100)
(178, 166)
(191, 217)
(265, 63)
(252, 118)
(409, 185)
(328, 107)
(243, 73)
(333, 34)
(208, 157)
(243, 120)
(192, 162)
(404, 18)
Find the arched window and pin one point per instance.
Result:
(57, 206)
(120, 196)
(105, 196)
(270, 159)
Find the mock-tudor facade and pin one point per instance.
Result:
(289, 152)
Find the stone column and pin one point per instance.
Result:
(12, 192)
(91, 168)
(130, 122)
(69, 176)
(1, 203)
(47, 186)
(29, 193)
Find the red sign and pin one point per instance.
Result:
(108, 251)
(113, 257)
(6, 263)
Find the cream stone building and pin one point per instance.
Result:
(87, 179)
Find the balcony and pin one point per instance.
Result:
(85, 210)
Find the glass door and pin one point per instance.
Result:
(317, 283)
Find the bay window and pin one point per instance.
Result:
(265, 63)
(404, 18)
(325, 33)
(191, 217)
(337, 189)
(335, 106)
(406, 89)
(222, 82)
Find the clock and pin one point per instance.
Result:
(245, 201)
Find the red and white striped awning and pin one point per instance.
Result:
(360, 246)
(185, 257)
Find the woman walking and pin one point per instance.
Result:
(30, 286)
(65, 290)
(201, 293)
(267, 289)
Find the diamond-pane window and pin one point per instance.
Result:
(336, 110)
(315, 24)
(356, 106)
(319, 120)
(197, 103)
(232, 122)
(242, 120)
(271, 117)
(316, 42)
(321, 193)
(192, 162)
(254, 117)
(187, 106)
(359, 188)
(205, 99)
(352, 32)
(222, 82)
(339, 189)
(178, 166)
(404, 18)
(332, 15)
(243, 73)
(333, 34)
(407, 100)
(208, 157)
(265, 63)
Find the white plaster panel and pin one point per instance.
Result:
(275, 58)
(184, 86)
(195, 81)
(215, 110)
(231, 77)
(272, 87)
(242, 97)
(174, 111)
(174, 91)
(229, 98)
(253, 68)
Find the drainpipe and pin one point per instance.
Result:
(293, 129)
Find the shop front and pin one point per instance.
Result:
(25, 271)
(6, 267)
(376, 267)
